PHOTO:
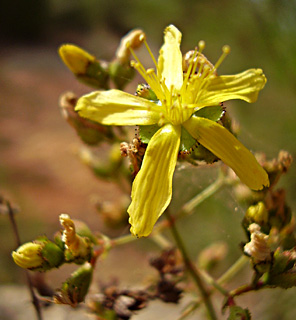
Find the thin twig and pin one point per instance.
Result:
(191, 268)
(35, 300)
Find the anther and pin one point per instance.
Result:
(226, 49)
(142, 37)
(150, 71)
(201, 45)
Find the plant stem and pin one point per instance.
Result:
(122, 240)
(35, 300)
(191, 267)
(233, 270)
(202, 196)
(189, 206)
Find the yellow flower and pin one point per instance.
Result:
(180, 95)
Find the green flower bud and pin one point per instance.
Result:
(85, 66)
(40, 255)
(78, 249)
(75, 288)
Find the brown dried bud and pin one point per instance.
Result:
(134, 40)
(258, 247)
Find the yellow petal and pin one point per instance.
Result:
(152, 187)
(115, 107)
(170, 58)
(244, 86)
(225, 146)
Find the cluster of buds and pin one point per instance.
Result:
(73, 245)
(270, 227)
(43, 254)
(39, 255)
(97, 73)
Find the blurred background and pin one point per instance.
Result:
(39, 168)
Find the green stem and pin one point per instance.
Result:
(161, 241)
(122, 240)
(202, 196)
(233, 270)
(191, 268)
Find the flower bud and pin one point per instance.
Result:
(75, 288)
(85, 66)
(91, 133)
(133, 40)
(40, 255)
(257, 213)
(28, 256)
(78, 249)
(258, 248)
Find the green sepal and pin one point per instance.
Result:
(201, 153)
(187, 141)
(53, 255)
(121, 74)
(213, 113)
(58, 241)
(238, 313)
(147, 132)
(96, 76)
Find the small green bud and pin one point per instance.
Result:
(40, 255)
(78, 249)
(75, 288)
(85, 66)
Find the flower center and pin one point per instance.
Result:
(178, 105)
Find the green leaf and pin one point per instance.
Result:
(213, 113)
(238, 313)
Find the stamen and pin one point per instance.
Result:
(151, 54)
(226, 51)
(188, 73)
